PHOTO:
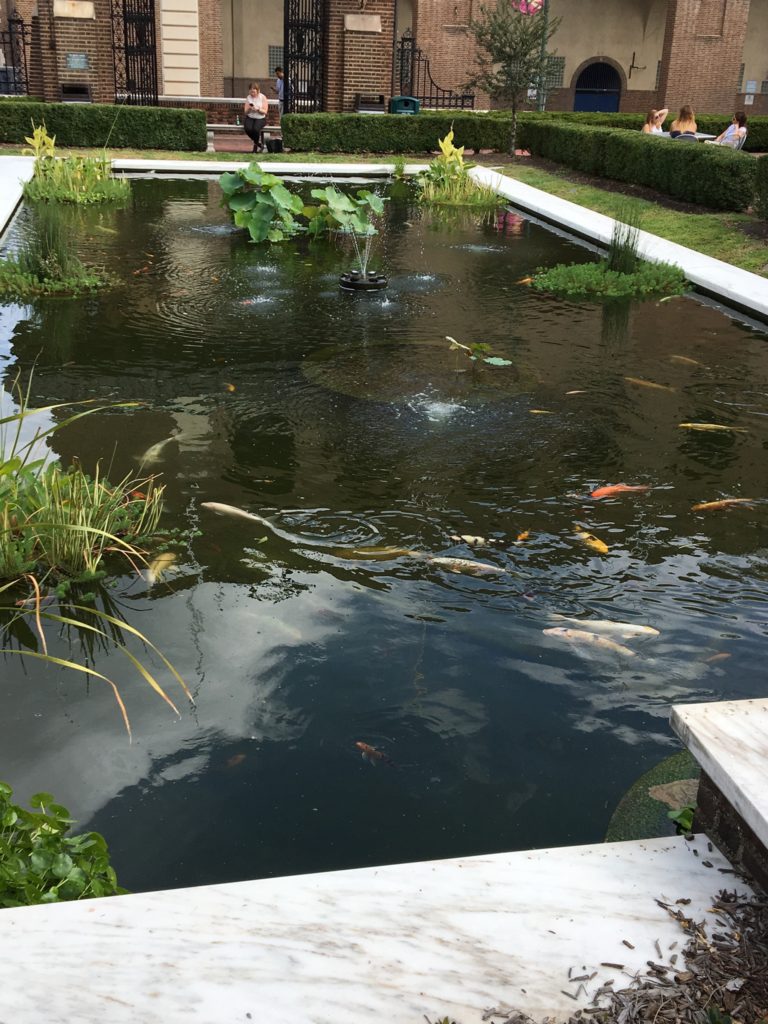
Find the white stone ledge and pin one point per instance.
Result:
(275, 167)
(732, 285)
(15, 171)
(389, 944)
(729, 739)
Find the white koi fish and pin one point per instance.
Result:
(465, 565)
(582, 636)
(626, 630)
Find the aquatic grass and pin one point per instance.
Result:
(71, 179)
(47, 264)
(597, 281)
(447, 180)
(623, 254)
(58, 526)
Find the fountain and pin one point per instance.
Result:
(363, 279)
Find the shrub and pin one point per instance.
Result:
(96, 124)
(761, 188)
(393, 133)
(708, 175)
(598, 281)
(40, 863)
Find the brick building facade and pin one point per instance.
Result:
(627, 55)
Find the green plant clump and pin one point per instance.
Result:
(261, 203)
(72, 179)
(47, 265)
(102, 124)
(711, 176)
(447, 180)
(40, 863)
(598, 281)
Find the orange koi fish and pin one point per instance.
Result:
(372, 755)
(612, 489)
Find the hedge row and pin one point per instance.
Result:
(711, 124)
(761, 188)
(392, 133)
(710, 175)
(91, 124)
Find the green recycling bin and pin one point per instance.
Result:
(404, 105)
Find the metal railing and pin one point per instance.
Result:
(415, 79)
(14, 78)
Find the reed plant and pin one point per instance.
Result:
(447, 180)
(60, 525)
(46, 263)
(623, 255)
(72, 179)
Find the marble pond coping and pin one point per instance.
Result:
(729, 739)
(452, 937)
(735, 287)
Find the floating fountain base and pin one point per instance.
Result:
(356, 281)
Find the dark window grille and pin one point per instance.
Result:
(764, 88)
(14, 40)
(275, 58)
(304, 39)
(658, 75)
(555, 73)
(740, 86)
(414, 79)
(134, 44)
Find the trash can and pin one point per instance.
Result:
(404, 105)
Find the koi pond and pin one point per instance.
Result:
(349, 422)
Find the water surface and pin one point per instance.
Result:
(348, 420)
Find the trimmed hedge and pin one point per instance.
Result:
(90, 124)
(761, 188)
(710, 175)
(711, 124)
(392, 133)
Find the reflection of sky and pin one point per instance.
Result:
(10, 317)
(239, 679)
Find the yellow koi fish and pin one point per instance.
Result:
(592, 541)
(648, 384)
(381, 553)
(160, 565)
(712, 426)
(685, 361)
(714, 506)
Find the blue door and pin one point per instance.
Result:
(598, 88)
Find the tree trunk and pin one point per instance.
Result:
(513, 137)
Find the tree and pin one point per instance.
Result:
(512, 52)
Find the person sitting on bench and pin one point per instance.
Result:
(255, 108)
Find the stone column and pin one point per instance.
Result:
(703, 52)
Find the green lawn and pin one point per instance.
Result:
(716, 234)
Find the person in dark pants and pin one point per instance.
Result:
(255, 109)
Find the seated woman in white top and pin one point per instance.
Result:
(654, 121)
(734, 133)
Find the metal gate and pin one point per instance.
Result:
(304, 33)
(134, 42)
(414, 78)
(13, 57)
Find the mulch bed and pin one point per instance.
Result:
(720, 978)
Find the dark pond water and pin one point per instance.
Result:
(344, 418)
